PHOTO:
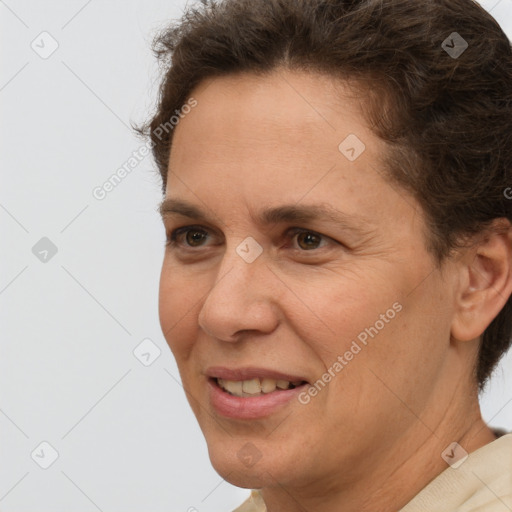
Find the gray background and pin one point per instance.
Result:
(125, 436)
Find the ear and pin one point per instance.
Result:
(486, 281)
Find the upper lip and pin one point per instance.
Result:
(247, 373)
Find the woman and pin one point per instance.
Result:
(337, 280)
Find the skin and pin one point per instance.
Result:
(373, 437)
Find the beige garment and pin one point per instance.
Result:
(253, 504)
(482, 483)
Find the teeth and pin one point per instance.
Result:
(268, 385)
(231, 386)
(254, 387)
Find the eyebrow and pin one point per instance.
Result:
(279, 214)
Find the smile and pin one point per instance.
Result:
(256, 386)
(243, 396)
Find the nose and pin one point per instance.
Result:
(241, 300)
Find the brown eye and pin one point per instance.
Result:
(194, 237)
(307, 240)
(188, 236)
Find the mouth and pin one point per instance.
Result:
(252, 393)
(256, 386)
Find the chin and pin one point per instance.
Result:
(246, 479)
(242, 465)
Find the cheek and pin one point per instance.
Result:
(366, 324)
(177, 300)
(401, 359)
(346, 311)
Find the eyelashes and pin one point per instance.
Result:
(173, 238)
(179, 238)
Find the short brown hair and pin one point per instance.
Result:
(447, 118)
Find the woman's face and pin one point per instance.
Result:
(305, 265)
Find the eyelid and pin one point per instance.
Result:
(173, 234)
(289, 234)
(292, 231)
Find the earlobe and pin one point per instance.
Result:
(486, 282)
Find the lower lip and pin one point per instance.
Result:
(250, 408)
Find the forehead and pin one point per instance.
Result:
(281, 138)
(289, 122)
(289, 103)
